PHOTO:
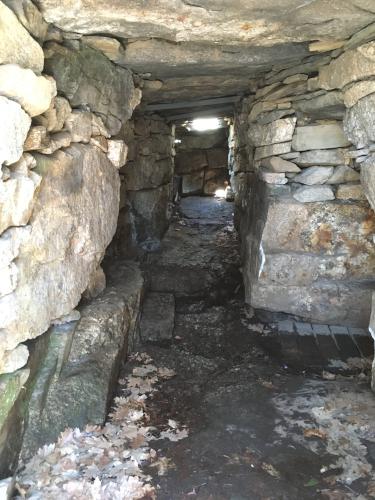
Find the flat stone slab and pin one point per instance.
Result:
(157, 321)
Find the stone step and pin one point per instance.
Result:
(157, 320)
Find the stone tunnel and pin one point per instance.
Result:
(187, 264)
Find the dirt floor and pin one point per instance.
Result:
(222, 407)
(261, 425)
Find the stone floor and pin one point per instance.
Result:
(277, 410)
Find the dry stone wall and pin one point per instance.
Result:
(201, 161)
(64, 106)
(146, 186)
(305, 141)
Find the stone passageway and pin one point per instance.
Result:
(246, 418)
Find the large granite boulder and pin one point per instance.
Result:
(313, 260)
(368, 179)
(77, 377)
(73, 221)
(86, 76)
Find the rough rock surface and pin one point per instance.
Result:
(368, 180)
(13, 131)
(313, 260)
(326, 136)
(73, 221)
(309, 194)
(33, 93)
(16, 44)
(75, 382)
(87, 76)
(359, 122)
(157, 321)
(314, 175)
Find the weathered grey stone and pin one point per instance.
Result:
(86, 76)
(10, 387)
(326, 106)
(36, 138)
(13, 131)
(193, 183)
(310, 259)
(157, 321)
(343, 174)
(325, 136)
(78, 123)
(66, 243)
(321, 157)
(77, 378)
(16, 44)
(351, 66)
(350, 192)
(214, 179)
(14, 360)
(368, 180)
(277, 164)
(7, 488)
(150, 210)
(273, 177)
(309, 194)
(276, 132)
(147, 172)
(217, 158)
(293, 89)
(355, 92)
(96, 284)
(359, 122)
(187, 162)
(299, 77)
(274, 149)
(33, 93)
(314, 175)
(268, 117)
(259, 108)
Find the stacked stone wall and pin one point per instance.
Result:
(202, 161)
(64, 106)
(307, 136)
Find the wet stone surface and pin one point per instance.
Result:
(270, 415)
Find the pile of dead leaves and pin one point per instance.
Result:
(100, 463)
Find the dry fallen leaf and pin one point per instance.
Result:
(314, 433)
(270, 469)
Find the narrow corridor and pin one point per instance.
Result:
(242, 418)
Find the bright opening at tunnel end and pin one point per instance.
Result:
(203, 124)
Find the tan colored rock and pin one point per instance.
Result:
(8, 278)
(100, 142)
(98, 127)
(350, 192)
(33, 93)
(117, 152)
(14, 360)
(67, 241)
(13, 131)
(368, 180)
(30, 17)
(110, 47)
(57, 141)
(36, 138)
(326, 45)
(277, 164)
(16, 44)
(343, 174)
(260, 107)
(351, 66)
(361, 89)
(78, 123)
(54, 118)
(17, 200)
